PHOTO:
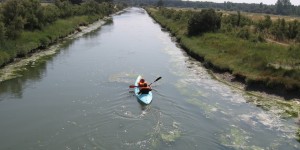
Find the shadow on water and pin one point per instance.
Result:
(96, 33)
(32, 72)
(29, 73)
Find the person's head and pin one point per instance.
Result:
(145, 85)
(142, 80)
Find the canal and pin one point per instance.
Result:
(80, 98)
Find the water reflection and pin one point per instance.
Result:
(32, 72)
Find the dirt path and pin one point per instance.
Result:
(276, 42)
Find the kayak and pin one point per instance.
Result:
(144, 98)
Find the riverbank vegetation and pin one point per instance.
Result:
(241, 45)
(238, 44)
(281, 7)
(27, 25)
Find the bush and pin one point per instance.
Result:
(4, 57)
(15, 28)
(2, 32)
(244, 33)
(44, 41)
(50, 13)
(236, 20)
(205, 21)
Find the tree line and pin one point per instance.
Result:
(27, 25)
(282, 7)
(19, 15)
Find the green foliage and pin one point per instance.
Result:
(103, 1)
(283, 7)
(298, 135)
(160, 3)
(271, 64)
(91, 7)
(236, 20)
(50, 13)
(26, 25)
(76, 1)
(28, 10)
(2, 32)
(15, 27)
(279, 29)
(264, 24)
(294, 52)
(293, 29)
(33, 14)
(65, 8)
(4, 57)
(205, 21)
(244, 33)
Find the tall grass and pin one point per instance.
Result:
(273, 65)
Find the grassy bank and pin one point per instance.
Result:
(272, 66)
(30, 41)
(34, 26)
(269, 65)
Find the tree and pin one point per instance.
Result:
(292, 29)
(160, 3)
(33, 14)
(76, 1)
(102, 1)
(50, 13)
(2, 32)
(279, 29)
(267, 22)
(15, 28)
(12, 9)
(30, 12)
(205, 21)
(244, 33)
(283, 7)
(238, 18)
(264, 24)
(65, 8)
(91, 7)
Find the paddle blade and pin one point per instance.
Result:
(132, 86)
(157, 79)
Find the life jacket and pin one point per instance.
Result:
(140, 84)
(145, 90)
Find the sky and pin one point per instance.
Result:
(294, 2)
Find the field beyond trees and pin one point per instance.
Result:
(238, 44)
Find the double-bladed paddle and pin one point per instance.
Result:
(133, 86)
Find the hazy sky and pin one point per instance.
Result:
(294, 2)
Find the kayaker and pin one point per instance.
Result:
(141, 83)
(145, 89)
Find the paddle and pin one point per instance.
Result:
(133, 86)
(155, 80)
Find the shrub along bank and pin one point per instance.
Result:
(233, 43)
(27, 25)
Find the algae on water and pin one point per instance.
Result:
(170, 136)
(207, 108)
(286, 109)
(173, 134)
(236, 138)
(298, 135)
